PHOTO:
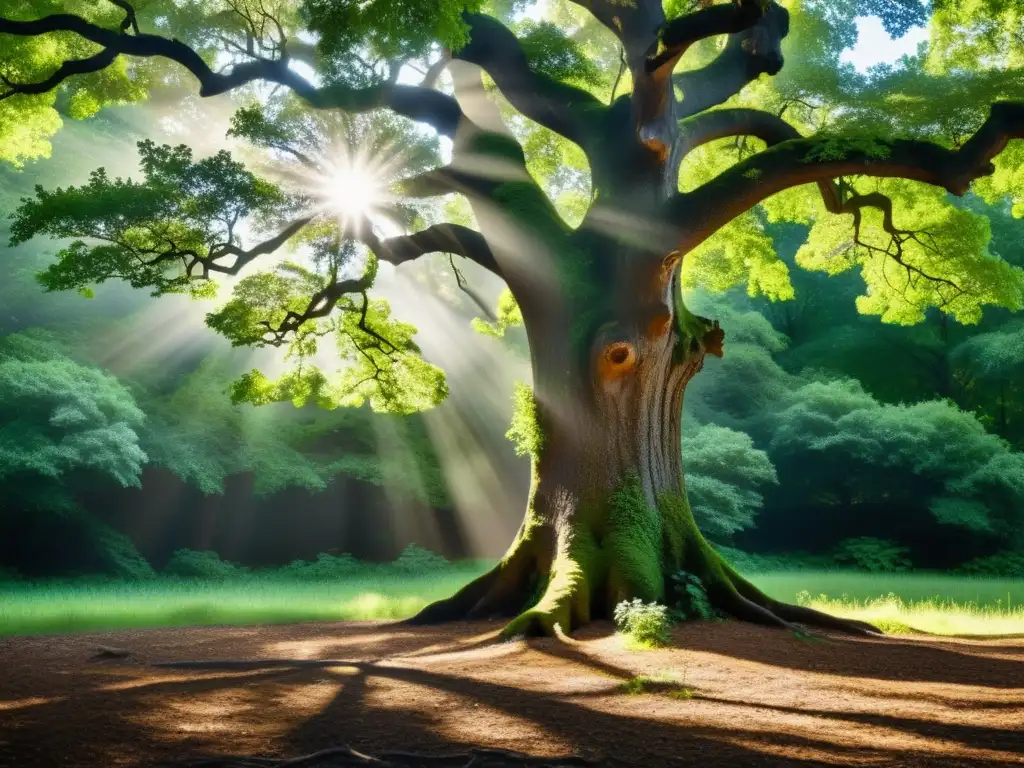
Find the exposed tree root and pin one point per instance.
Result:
(483, 599)
(775, 613)
(461, 604)
(537, 623)
(342, 757)
(812, 618)
(736, 597)
(744, 609)
(499, 593)
(503, 592)
(104, 652)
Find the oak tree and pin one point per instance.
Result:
(612, 155)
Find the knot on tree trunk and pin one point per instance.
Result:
(713, 340)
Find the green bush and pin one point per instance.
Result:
(691, 598)
(874, 555)
(647, 624)
(418, 560)
(193, 564)
(751, 562)
(9, 574)
(324, 568)
(117, 555)
(1005, 563)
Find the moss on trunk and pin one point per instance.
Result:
(607, 518)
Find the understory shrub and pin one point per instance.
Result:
(691, 598)
(752, 562)
(645, 623)
(416, 559)
(324, 568)
(116, 554)
(204, 564)
(1005, 563)
(874, 555)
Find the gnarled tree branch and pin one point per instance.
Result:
(422, 104)
(771, 129)
(748, 54)
(679, 34)
(244, 257)
(635, 23)
(94, 63)
(806, 161)
(439, 238)
(214, 260)
(568, 111)
(856, 203)
(722, 123)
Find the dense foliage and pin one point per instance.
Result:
(887, 392)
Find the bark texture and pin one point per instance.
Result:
(608, 519)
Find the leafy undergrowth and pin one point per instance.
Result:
(325, 591)
(644, 625)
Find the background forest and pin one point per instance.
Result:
(822, 438)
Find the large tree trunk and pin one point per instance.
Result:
(612, 348)
(607, 518)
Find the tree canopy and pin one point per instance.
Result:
(59, 416)
(884, 150)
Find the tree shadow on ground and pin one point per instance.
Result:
(897, 658)
(384, 697)
(1011, 740)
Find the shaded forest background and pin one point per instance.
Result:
(822, 437)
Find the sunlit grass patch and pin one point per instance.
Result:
(913, 586)
(904, 603)
(895, 616)
(69, 606)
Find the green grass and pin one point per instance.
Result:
(44, 608)
(905, 602)
(938, 603)
(663, 682)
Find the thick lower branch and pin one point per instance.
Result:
(807, 161)
(421, 104)
(562, 108)
(439, 238)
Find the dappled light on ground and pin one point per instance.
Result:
(722, 694)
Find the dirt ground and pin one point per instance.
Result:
(757, 696)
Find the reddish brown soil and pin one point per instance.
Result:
(760, 697)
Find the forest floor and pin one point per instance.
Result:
(725, 694)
